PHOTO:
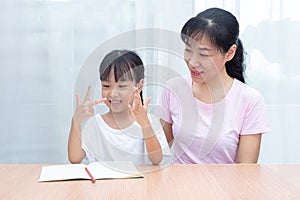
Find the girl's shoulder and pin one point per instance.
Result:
(96, 121)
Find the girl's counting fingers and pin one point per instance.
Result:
(77, 99)
(137, 101)
(99, 101)
(130, 108)
(88, 93)
(147, 103)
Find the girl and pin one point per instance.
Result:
(214, 117)
(125, 132)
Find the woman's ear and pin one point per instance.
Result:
(231, 52)
(140, 85)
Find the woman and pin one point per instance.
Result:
(214, 117)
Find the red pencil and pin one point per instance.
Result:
(90, 175)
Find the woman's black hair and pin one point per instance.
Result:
(127, 65)
(222, 29)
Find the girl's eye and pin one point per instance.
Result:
(106, 86)
(188, 50)
(122, 86)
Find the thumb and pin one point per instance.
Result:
(100, 100)
(130, 108)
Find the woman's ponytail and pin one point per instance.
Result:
(235, 68)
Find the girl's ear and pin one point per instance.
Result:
(231, 52)
(140, 85)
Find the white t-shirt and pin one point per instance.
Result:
(103, 143)
(209, 133)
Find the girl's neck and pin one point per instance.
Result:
(118, 120)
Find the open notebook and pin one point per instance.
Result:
(96, 170)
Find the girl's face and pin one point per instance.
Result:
(205, 62)
(119, 94)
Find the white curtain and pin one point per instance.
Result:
(44, 45)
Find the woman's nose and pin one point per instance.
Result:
(193, 61)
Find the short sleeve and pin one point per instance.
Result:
(255, 120)
(87, 139)
(164, 106)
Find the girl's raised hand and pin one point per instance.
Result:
(85, 108)
(139, 111)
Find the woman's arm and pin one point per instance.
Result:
(248, 149)
(168, 131)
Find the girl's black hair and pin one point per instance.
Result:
(127, 65)
(222, 29)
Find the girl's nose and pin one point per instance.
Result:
(113, 93)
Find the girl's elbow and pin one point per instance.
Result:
(75, 160)
(156, 160)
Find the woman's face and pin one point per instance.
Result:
(119, 94)
(205, 62)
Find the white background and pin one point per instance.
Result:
(43, 45)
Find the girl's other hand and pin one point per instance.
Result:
(139, 111)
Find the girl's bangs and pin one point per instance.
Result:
(123, 72)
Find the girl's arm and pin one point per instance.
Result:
(248, 149)
(139, 112)
(152, 144)
(83, 111)
(75, 151)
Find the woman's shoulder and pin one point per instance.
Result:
(179, 85)
(246, 90)
(246, 94)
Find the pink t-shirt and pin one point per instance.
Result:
(209, 133)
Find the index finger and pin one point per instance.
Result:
(93, 103)
(88, 93)
(138, 98)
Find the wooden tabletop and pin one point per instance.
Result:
(242, 181)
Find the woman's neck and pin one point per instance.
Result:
(212, 91)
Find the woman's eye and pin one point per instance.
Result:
(188, 50)
(122, 86)
(203, 55)
(105, 86)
